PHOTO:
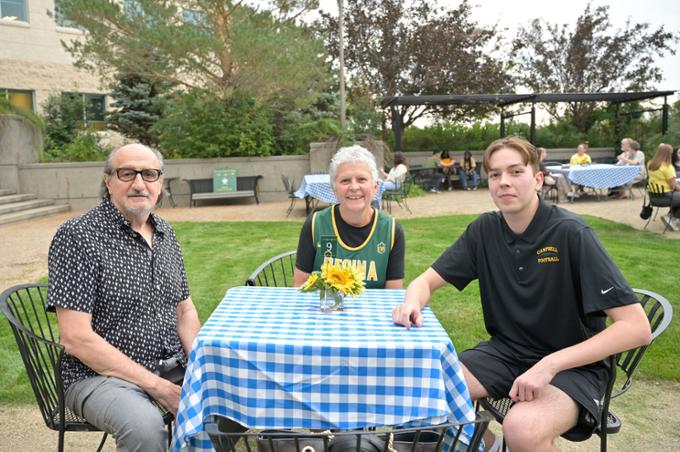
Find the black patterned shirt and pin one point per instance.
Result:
(98, 264)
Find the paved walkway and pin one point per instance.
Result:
(24, 248)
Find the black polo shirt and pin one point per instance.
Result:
(98, 264)
(542, 290)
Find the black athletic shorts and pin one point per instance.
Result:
(496, 367)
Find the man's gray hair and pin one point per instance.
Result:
(352, 154)
(108, 168)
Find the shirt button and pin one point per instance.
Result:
(521, 269)
(517, 251)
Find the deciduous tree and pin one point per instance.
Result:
(411, 48)
(589, 57)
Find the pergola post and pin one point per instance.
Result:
(532, 130)
(396, 128)
(502, 123)
(664, 116)
(617, 125)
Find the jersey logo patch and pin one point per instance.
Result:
(381, 248)
(547, 254)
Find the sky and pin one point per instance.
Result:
(509, 13)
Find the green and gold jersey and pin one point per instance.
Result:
(369, 258)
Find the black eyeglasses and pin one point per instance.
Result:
(129, 174)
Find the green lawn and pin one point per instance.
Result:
(222, 255)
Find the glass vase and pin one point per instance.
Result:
(330, 300)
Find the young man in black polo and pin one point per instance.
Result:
(547, 286)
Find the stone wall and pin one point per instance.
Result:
(20, 143)
(78, 184)
(420, 158)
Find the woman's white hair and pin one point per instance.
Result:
(352, 154)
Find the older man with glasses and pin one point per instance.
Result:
(118, 284)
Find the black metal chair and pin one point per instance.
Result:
(289, 186)
(550, 193)
(659, 313)
(37, 336)
(658, 199)
(275, 272)
(420, 439)
(399, 195)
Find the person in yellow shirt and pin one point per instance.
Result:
(581, 157)
(661, 173)
(446, 163)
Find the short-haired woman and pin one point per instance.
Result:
(352, 231)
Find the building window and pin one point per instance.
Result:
(13, 10)
(60, 18)
(18, 98)
(93, 108)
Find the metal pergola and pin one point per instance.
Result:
(502, 101)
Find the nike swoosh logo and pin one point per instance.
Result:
(605, 291)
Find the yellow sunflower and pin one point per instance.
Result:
(342, 279)
(310, 284)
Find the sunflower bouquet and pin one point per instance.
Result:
(334, 282)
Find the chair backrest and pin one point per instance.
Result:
(288, 184)
(406, 185)
(225, 438)
(659, 313)
(36, 334)
(275, 272)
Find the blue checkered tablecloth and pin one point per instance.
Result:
(598, 175)
(318, 186)
(268, 358)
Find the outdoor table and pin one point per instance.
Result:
(599, 176)
(318, 187)
(268, 358)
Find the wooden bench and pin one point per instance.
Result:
(202, 189)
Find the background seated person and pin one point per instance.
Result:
(580, 157)
(547, 287)
(447, 165)
(676, 161)
(631, 156)
(434, 161)
(397, 174)
(661, 173)
(468, 171)
(370, 239)
(550, 179)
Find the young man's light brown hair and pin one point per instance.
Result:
(527, 151)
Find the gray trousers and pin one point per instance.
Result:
(120, 408)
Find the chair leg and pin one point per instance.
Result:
(407, 207)
(60, 446)
(169, 434)
(101, 443)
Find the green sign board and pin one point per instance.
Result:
(224, 179)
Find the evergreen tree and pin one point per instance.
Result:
(137, 106)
